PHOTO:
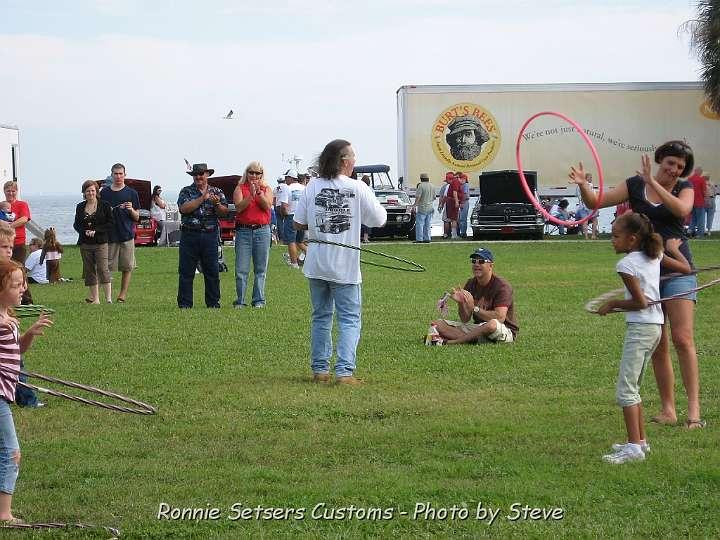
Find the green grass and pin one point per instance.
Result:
(239, 421)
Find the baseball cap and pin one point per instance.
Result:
(424, 176)
(292, 173)
(482, 253)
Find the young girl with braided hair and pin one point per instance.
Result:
(12, 344)
(639, 270)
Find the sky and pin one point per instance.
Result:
(93, 82)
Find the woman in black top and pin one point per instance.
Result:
(666, 199)
(93, 220)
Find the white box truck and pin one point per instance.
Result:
(9, 153)
(473, 129)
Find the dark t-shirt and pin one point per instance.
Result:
(497, 293)
(123, 229)
(665, 223)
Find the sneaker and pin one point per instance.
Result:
(286, 257)
(294, 265)
(38, 404)
(238, 305)
(644, 446)
(259, 306)
(629, 452)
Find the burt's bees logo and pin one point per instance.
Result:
(465, 137)
(707, 111)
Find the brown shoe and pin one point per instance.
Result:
(349, 380)
(321, 378)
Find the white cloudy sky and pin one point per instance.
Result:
(92, 82)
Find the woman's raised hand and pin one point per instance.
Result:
(577, 175)
(646, 168)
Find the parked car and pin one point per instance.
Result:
(503, 209)
(227, 185)
(146, 228)
(397, 203)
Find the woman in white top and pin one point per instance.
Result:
(158, 210)
(332, 208)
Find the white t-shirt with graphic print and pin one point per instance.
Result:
(333, 210)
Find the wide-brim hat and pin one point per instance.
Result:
(200, 168)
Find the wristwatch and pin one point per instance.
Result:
(476, 309)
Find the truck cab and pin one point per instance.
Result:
(397, 203)
(503, 209)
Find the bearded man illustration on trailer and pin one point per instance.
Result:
(466, 137)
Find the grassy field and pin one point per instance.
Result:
(239, 422)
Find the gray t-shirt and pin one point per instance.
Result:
(424, 197)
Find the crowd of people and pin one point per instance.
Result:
(657, 271)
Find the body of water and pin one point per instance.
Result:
(59, 211)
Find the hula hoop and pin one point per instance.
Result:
(414, 267)
(138, 406)
(31, 310)
(592, 305)
(52, 525)
(531, 197)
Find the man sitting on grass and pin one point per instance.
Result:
(487, 299)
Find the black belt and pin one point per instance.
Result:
(249, 226)
(188, 228)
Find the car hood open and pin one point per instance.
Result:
(505, 187)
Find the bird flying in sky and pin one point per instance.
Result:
(228, 116)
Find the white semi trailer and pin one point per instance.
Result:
(9, 153)
(473, 128)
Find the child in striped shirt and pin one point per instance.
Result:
(12, 344)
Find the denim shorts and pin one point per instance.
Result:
(8, 447)
(290, 235)
(677, 285)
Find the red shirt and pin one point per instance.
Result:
(699, 187)
(20, 209)
(253, 214)
(455, 185)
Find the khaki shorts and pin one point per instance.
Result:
(121, 256)
(502, 333)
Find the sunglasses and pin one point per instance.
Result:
(478, 261)
(256, 173)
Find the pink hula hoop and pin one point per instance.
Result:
(531, 197)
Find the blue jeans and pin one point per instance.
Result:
(422, 226)
(8, 446)
(253, 243)
(709, 217)
(463, 218)
(697, 224)
(346, 300)
(198, 246)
